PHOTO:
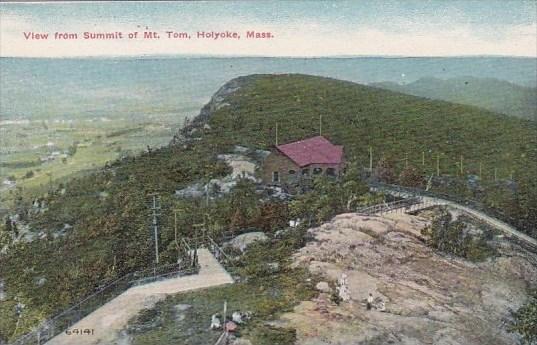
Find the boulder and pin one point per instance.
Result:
(323, 287)
(180, 311)
(195, 190)
(242, 241)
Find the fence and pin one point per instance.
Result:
(390, 206)
(470, 207)
(61, 322)
(413, 192)
(217, 251)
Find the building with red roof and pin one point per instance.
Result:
(290, 164)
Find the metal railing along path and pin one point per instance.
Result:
(217, 251)
(65, 319)
(403, 205)
(433, 199)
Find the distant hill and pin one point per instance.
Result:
(488, 93)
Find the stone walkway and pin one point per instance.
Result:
(111, 318)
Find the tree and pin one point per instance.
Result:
(411, 177)
(385, 171)
(526, 204)
(238, 221)
(351, 188)
(272, 216)
(244, 198)
(329, 197)
(11, 227)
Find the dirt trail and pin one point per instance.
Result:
(111, 318)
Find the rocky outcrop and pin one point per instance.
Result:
(419, 296)
(242, 167)
(218, 101)
(242, 241)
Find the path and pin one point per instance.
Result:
(111, 318)
(428, 201)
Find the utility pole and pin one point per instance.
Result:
(371, 159)
(175, 228)
(276, 134)
(406, 159)
(438, 164)
(480, 170)
(422, 157)
(224, 318)
(207, 194)
(462, 170)
(155, 208)
(320, 124)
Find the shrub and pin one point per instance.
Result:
(525, 320)
(385, 170)
(411, 177)
(452, 237)
(269, 335)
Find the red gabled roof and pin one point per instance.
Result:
(316, 150)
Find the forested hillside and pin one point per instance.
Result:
(488, 93)
(97, 227)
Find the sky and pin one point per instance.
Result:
(299, 28)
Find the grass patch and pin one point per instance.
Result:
(267, 298)
(265, 292)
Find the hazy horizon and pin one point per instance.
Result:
(141, 86)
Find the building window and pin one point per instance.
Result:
(317, 171)
(292, 172)
(331, 172)
(305, 172)
(275, 176)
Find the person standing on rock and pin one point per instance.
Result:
(369, 301)
(343, 288)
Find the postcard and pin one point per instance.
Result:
(268, 172)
